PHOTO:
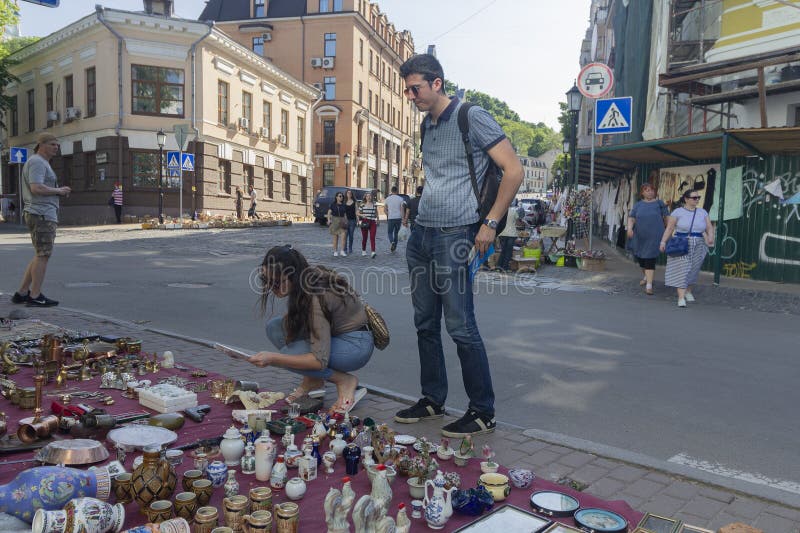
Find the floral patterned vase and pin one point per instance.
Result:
(50, 488)
(81, 515)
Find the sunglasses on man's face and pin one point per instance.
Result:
(412, 89)
(693, 197)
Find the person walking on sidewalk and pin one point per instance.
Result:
(238, 203)
(410, 209)
(324, 334)
(393, 208)
(337, 224)
(645, 227)
(116, 196)
(251, 213)
(369, 223)
(693, 223)
(350, 207)
(447, 227)
(40, 192)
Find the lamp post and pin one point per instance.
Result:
(161, 139)
(347, 169)
(565, 147)
(574, 98)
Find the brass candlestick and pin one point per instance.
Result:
(35, 427)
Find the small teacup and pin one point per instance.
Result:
(122, 488)
(186, 505)
(206, 519)
(175, 457)
(159, 511)
(189, 477)
(203, 489)
(260, 499)
(416, 508)
(496, 484)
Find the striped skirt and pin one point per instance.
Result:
(683, 271)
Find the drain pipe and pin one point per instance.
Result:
(118, 129)
(193, 53)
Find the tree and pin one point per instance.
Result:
(8, 17)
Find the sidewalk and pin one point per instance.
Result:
(662, 488)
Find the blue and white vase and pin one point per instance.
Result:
(217, 472)
(81, 515)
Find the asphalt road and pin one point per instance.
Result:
(709, 383)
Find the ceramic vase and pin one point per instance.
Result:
(154, 479)
(265, 456)
(352, 456)
(248, 461)
(231, 486)
(337, 445)
(277, 478)
(295, 488)
(217, 472)
(50, 487)
(232, 447)
(437, 504)
(81, 515)
(291, 456)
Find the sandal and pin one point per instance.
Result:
(299, 392)
(348, 405)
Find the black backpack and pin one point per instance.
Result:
(491, 180)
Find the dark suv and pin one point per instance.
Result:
(327, 195)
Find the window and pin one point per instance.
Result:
(65, 176)
(31, 110)
(324, 6)
(69, 95)
(145, 170)
(360, 92)
(258, 8)
(156, 91)
(397, 155)
(269, 185)
(48, 102)
(328, 170)
(248, 179)
(222, 102)
(329, 87)
(304, 190)
(258, 45)
(266, 118)
(247, 108)
(329, 136)
(377, 107)
(14, 116)
(330, 45)
(91, 92)
(375, 144)
(369, 102)
(361, 51)
(301, 138)
(370, 61)
(285, 126)
(224, 176)
(337, 5)
(287, 187)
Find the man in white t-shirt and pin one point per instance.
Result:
(393, 208)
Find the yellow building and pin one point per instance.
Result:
(364, 129)
(106, 84)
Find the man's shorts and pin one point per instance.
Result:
(43, 234)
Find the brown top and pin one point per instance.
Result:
(347, 314)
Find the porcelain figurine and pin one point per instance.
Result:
(444, 451)
(365, 515)
(337, 507)
(277, 478)
(385, 524)
(438, 507)
(488, 466)
(402, 523)
(50, 487)
(231, 486)
(352, 455)
(248, 461)
(381, 491)
(288, 437)
(81, 515)
(328, 460)
(295, 488)
(265, 452)
(366, 456)
(319, 431)
(217, 472)
(232, 447)
(337, 445)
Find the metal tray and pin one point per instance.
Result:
(137, 436)
(73, 452)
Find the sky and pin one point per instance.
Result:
(524, 52)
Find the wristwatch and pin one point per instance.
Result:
(492, 223)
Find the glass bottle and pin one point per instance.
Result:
(315, 452)
(288, 437)
(277, 478)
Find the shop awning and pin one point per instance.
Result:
(613, 161)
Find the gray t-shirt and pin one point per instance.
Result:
(38, 170)
(684, 217)
(394, 205)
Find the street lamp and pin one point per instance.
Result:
(574, 98)
(161, 139)
(347, 169)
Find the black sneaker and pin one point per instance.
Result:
(424, 409)
(21, 298)
(41, 301)
(394, 246)
(472, 423)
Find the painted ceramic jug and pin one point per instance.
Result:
(438, 508)
(154, 479)
(50, 487)
(81, 515)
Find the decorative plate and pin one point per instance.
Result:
(600, 520)
(137, 436)
(418, 446)
(405, 439)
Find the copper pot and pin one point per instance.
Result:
(31, 429)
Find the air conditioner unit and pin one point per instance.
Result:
(316, 62)
(264, 132)
(318, 86)
(73, 113)
(244, 123)
(327, 62)
(282, 138)
(52, 116)
(266, 37)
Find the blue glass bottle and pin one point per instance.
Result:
(315, 452)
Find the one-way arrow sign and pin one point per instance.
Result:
(17, 155)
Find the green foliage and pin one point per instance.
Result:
(12, 44)
(8, 16)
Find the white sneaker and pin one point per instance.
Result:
(335, 254)
(689, 297)
(364, 253)
(373, 255)
(343, 254)
(682, 302)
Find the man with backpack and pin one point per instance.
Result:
(464, 152)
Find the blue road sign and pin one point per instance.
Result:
(46, 3)
(173, 160)
(613, 115)
(187, 162)
(174, 173)
(17, 156)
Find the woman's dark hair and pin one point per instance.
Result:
(305, 282)
(338, 194)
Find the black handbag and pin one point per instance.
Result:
(678, 245)
(365, 223)
(111, 201)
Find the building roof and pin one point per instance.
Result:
(240, 9)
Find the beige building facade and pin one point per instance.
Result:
(364, 128)
(106, 84)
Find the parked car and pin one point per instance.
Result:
(328, 193)
(535, 211)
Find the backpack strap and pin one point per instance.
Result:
(463, 126)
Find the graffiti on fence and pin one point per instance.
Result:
(738, 270)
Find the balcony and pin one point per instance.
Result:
(328, 149)
(360, 151)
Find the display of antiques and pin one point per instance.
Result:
(174, 452)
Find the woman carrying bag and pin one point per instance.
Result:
(691, 223)
(645, 228)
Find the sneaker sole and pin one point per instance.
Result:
(462, 434)
(30, 304)
(418, 419)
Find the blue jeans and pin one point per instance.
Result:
(394, 229)
(349, 351)
(506, 252)
(348, 239)
(437, 265)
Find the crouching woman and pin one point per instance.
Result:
(324, 335)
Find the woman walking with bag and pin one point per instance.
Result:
(691, 223)
(645, 227)
(369, 223)
(350, 206)
(324, 334)
(337, 223)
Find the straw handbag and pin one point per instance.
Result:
(377, 325)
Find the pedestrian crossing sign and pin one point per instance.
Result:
(187, 162)
(613, 115)
(173, 160)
